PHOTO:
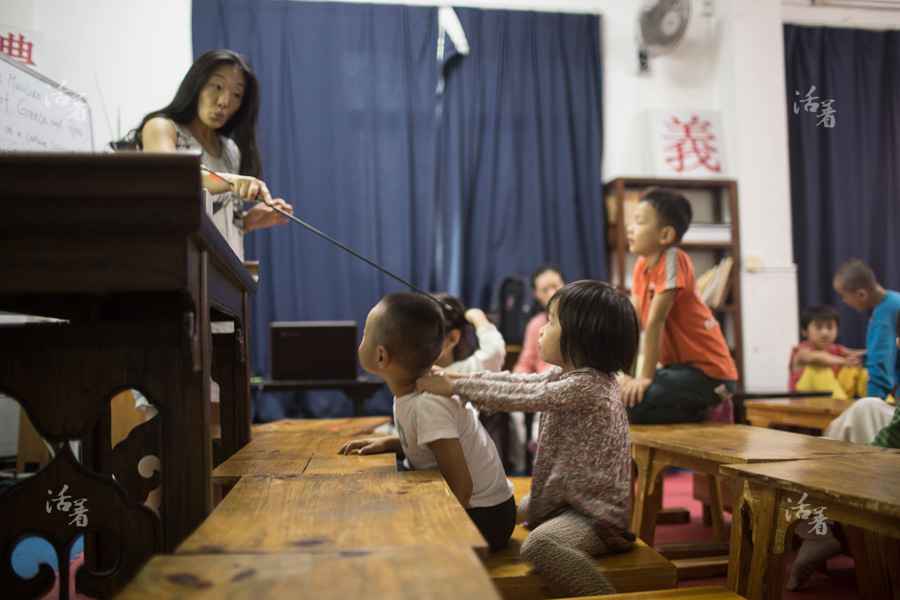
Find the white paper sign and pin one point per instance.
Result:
(40, 115)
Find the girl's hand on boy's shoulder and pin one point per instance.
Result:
(436, 383)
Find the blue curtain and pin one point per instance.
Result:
(520, 146)
(845, 179)
(451, 190)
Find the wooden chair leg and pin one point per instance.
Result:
(715, 509)
(873, 553)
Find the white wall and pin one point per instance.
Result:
(731, 62)
(130, 56)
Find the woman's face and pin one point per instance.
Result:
(545, 285)
(221, 96)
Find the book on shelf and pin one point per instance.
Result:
(710, 233)
(714, 284)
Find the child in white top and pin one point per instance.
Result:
(580, 499)
(508, 432)
(455, 356)
(403, 336)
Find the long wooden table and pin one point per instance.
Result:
(861, 491)
(335, 513)
(349, 426)
(288, 455)
(120, 248)
(812, 413)
(319, 524)
(704, 447)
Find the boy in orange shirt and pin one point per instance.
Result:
(680, 331)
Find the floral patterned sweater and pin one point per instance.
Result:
(583, 459)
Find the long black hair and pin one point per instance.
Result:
(183, 109)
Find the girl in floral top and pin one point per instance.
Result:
(579, 505)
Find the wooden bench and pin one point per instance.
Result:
(411, 573)
(712, 592)
(641, 568)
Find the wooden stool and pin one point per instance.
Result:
(641, 568)
(713, 592)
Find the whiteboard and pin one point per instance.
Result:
(38, 115)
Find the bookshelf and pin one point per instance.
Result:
(712, 239)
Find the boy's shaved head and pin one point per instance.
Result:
(855, 275)
(411, 327)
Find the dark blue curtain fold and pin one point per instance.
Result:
(505, 176)
(519, 179)
(845, 179)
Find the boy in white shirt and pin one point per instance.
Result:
(403, 336)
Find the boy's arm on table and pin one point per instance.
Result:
(633, 388)
(374, 445)
(807, 356)
(452, 464)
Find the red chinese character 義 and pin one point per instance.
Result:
(691, 145)
(16, 47)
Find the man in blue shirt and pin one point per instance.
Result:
(855, 282)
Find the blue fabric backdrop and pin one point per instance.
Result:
(845, 180)
(451, 191)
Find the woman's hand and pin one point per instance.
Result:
(436, 383)
(262, 215)
(250, 189)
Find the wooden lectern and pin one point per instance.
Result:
(120, 248)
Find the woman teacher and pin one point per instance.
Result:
(215, 111)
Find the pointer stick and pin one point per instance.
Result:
(446, 307)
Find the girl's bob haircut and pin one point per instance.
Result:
(599, 327)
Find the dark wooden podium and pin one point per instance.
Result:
(120, 248)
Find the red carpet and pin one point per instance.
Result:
(838, 584)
